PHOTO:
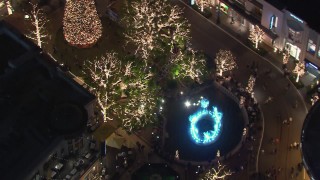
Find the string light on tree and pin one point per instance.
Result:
(256, 35)
(203, 4)
(299, 70)
(38, 21)
(106, 75)
(10, 9)
(186, 65)
(286, 56)
(251, 83)
(225, 61)
(220, 172)
(81, 24)
(154, 24)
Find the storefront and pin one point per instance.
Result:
(312, 69)
(224, 8)
(294, 50)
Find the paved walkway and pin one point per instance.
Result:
(210, 37)
(272, 84)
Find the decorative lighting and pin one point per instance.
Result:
(81, 24)
(187, 103)
(210, 136)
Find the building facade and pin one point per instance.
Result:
(285, 26)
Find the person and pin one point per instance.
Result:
(285, 121)
(290, 120)
(269, 99)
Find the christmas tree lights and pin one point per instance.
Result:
(81, 25)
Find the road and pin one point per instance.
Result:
(210, 38)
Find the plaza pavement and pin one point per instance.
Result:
(210, 37)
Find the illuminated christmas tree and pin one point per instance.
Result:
(81, 25)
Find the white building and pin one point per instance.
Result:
(296, 26)
(292, 25)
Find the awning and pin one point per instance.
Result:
(294, 25)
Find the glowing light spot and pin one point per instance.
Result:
(187, 103)
(210, 136)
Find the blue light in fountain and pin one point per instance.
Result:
(215, 116)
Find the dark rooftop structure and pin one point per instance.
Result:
(310, 141)
(307, 10)
(39, 104)
(155, 171)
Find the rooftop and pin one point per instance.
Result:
(307, 10)
(39, 104)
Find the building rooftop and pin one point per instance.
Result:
(310, 141)
(306, 10)
(39, 104)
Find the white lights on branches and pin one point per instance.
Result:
(256, 35)
(299, 70)
(225, 61)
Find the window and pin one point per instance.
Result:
(273, 22)
(311, 48)
(294, 36)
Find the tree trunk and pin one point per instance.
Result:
(9, 7)
(297, 80)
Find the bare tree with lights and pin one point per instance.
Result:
(106, 75)
(141, 107)
(140, 110)
(81, 24)
(123, 92)
(299, 70)
(225, 61)
(38, 21)
(220, 172)
(242, 100)
(154, 24)
(9, 7)
(256, 35)
(187, 65)
(250, 86)
(286, 57)
(203, 4)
